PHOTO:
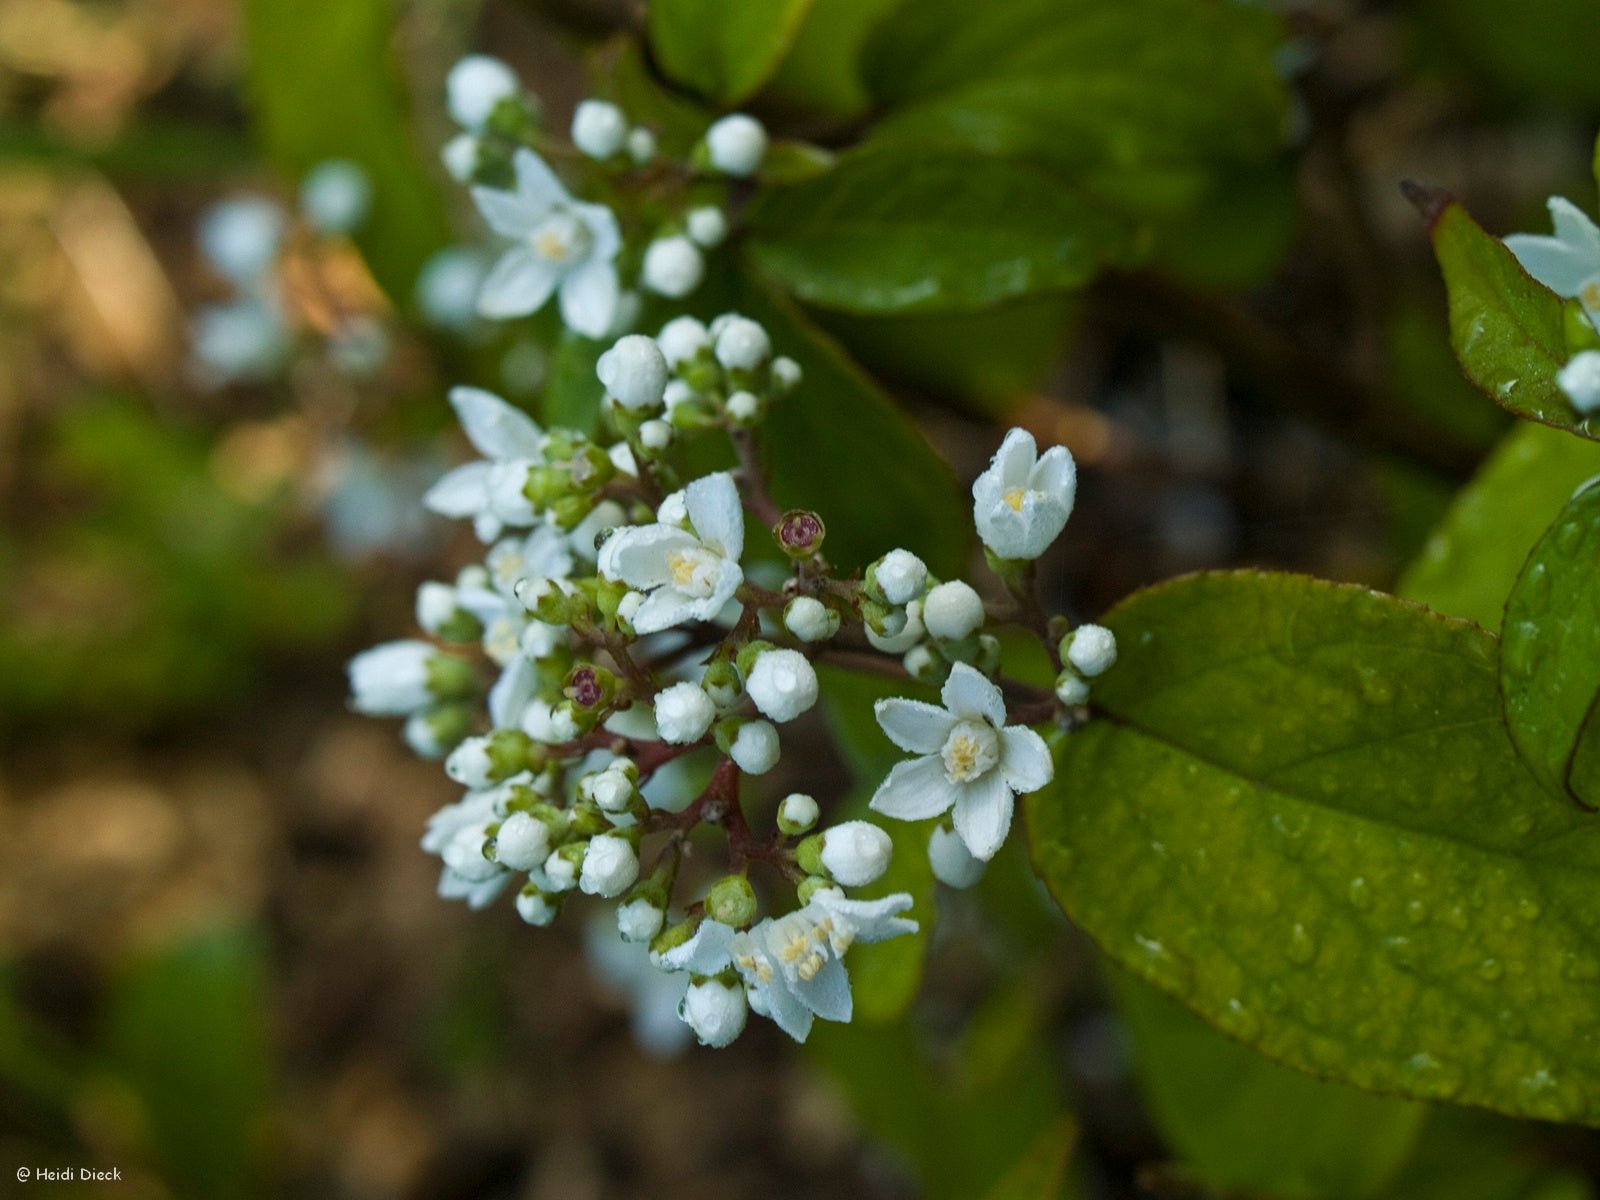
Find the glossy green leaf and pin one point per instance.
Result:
(1469, 564)
(1467, 1155)
(1507, 329)
(917, 230)
(839, 446)
(724, 48)
(1550, 658)
(323, 83)
(823, 70)
(1239, 1122)
(1302, 817)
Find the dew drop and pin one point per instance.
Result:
(1360, 893)
(1432, 1077)
(1302, 947)
(1490, 969)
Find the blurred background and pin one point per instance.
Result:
(223, 968)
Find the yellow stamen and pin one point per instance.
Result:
(1015, 497)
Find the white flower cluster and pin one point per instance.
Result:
(635, 651)
(250, 338)
(564, 246)
(1568, 263)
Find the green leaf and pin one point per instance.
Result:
(572, 391)
(1543, 58)
(1302, 817)
(1040, 1173)
(1242, 1123)
(324, 83)
(1472, 559)
(915, 230)
(1507, 329)
(724, 48)
(822, 72)
(1466, 1155)
(1550, 660)
(839, 446)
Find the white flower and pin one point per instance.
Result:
(436, 604)
(469, 763)
(673, 266)
(460, 158)
(715, 1011)
(908, 635)
(1094, 647)
(856, 853)
(798, 812)
(240, 238)
(536, 908)
(522, 843)
(424, 736)
(969, 760)
(707, 226)
(561, 243)
(464, 855)
(786, 373)
(953, 865)
(901, 576)
(490, 490)
(1022, 502)
(740, 343)
(612, 789)
(683, 713)
(598, 128)
(755, 748)
(547, 723)
(656, 435)
(1580, 380)
(475, 87)
(392, 679)
(737, 144)
(634, 371)
(640, 919)
(688, 576)
(782, 683)
(560, 872)
(952, 610)
(744, 407)
(681, 339)
(641, 145)
(336, 195)
(1568, 263)
(809, 619)
(610, 866)
(1072, 689)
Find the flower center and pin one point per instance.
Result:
(693, 572)
(1589, 295)
(501, 640)
(561, 239)
(799, 945)
(1015, 497)
(971, 751)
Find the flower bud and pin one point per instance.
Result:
(907, 631)
(466, 854)
(732, 901)
(987, 659)
(627, 607)
(925, 664)
(707, 225)
(641, 145)
(434, 732)
(741, 344)
(656, 436)
(786, 374)
(754, 748)
(1090, 649)
(952, 610)
(640, 919)
(799, 533)
(682, 339)
(335, 196)
(722, 682)
(598, 128)
(475, 87)
(468, 763)
(715, 1009)
(736, 145)
(673, 266)
(811, 885)
(241, 237)
(809, 619)
(634, 371)
(683, 713)
(610, 867)
(549, 724)
(537, 907)
(589, 687)
(460, 157)
(856, 853)
(553, 601)
(797, 813)
(670, 938)
(808, 854)
(952, 863)
(743, 408)
(398, 678)
(562, 867)
(522, 843)
(1071, 688)
(898, 577)
(782, 683)
(613, 791)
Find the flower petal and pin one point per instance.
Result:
(785, 1008)
(1025, 761)
(705, 953)
(1015, 459)
(1560, 267)
(536, 182)
(971, 696)
(914, 790)
(602, 225)
(589, 298)
(1574, 227)
(508, 213)
(1056, 475)
(983, 815)
(718, 517)
(637, 556)
(914, 725)
(666, 607)
(462, 492)
(827, 993)
(518, 284)
(509, 696)
(497, 429)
